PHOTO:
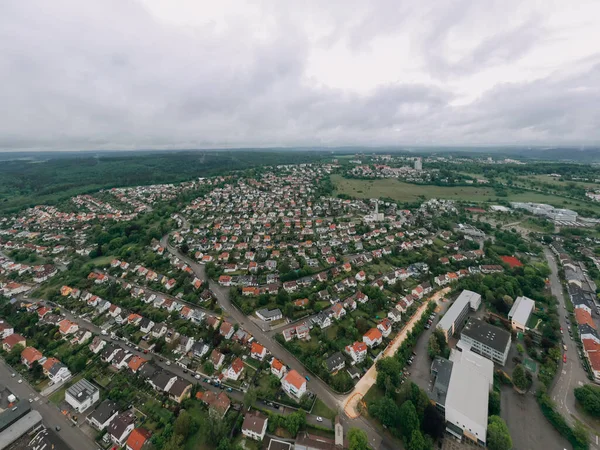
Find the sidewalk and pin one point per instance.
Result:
(370, 378)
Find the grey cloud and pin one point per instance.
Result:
(109, 75)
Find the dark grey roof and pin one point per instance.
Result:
(487, 334)
(586, 329)
(147, 371)
(104, 410)
(441, 369)
(179, 387)
(334, 361)
(269, 313)
(161, 379)
(120, 423)
(82, 390)
(55, 368)
(11, 415)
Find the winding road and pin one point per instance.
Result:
(321, 390)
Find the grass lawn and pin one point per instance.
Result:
(102, 260)
(321, 409)
(374, 393)
(198, 440)
(58, 396)
(406, 192)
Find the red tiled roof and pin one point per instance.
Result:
(138, 438)
(584, 317)
(295, 379)
(373, 334)
(13, 340)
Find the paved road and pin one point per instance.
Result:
(51, 416)
(315, 385)
(572, 374)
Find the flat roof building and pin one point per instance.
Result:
(82, 395)
(520, 312)
(466, 403)
(457, 313)
(486, 340)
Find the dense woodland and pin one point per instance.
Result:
(25, 183)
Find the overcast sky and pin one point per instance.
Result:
(127, 74)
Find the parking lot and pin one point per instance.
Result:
(420, 368)
(527, 425)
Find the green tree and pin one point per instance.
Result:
(433, 348)
(433, 422)
(588, 397)
(295, 422)
(409, 420)
(249, 398)
(357, 439)
(520, 349)
(417, 441)
(494, 404)
(14, 356)
(520, 378)
(386, 410)
(498, 437)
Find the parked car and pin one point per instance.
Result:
(319, 419)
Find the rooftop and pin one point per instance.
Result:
(82, 390)
(487, 334)
(521, 310)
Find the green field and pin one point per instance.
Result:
(406, 192)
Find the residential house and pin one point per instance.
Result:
(258, 351)
(335, 362)
(14, 339)
(30, 355)
(294, 384)
(218, 404)
(226, 330)
(137, 439)
(385, 326)
(136, 362)
(103, 415)
(97, 345)
(180, 390)
(255, 426)
(82, 395)
(235, 369)
(357, 351)
(217, 359)
(338, 311)
(162, 381)
(67, 327)
(269, 315)
(373, 337)
(277, 368)
(120, 428)
(5, 330)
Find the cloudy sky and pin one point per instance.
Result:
(112, 74)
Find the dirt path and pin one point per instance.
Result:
(364, 384)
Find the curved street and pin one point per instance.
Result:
(315, 385)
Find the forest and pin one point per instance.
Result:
(26, 182)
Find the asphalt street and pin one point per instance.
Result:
(572, 374)
(315, 385)
(51, 416)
